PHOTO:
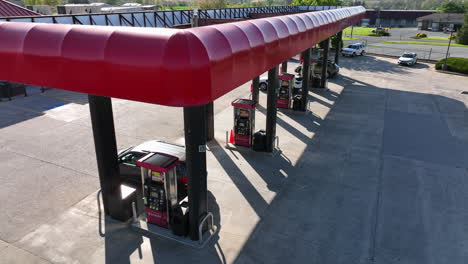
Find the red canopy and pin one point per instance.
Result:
(175, 67)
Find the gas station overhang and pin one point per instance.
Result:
(173, 67)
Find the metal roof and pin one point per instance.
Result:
(8, 9)
(174, 67)
(452, 18)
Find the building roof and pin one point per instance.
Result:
(174, 67)
(452, 18)
(8, 9)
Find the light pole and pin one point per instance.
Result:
(444, 67)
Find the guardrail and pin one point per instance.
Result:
(168, 18)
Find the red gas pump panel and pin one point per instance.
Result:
(244, 122)
(285, 91)
(156, 205)
(159, 186)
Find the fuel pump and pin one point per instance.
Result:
(285, 92)
(163, 205)
(244, 122)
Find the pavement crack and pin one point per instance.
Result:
(378, 198)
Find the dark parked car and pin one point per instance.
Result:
(130, 173)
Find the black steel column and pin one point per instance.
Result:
(195, 152)
(271, 108)
(339, 39)
(255, 88)
(284, 66)
(305, 77)
(106, 155)
(323, 78)
(209, 110)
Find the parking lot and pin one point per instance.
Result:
(374, 173)
(433, 52)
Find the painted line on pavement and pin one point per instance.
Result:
(23, 108)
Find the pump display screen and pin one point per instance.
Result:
(242, 126)
(155, 196)
(157, 176)
(283, 93)
(243, 113)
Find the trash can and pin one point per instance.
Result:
(5, 90)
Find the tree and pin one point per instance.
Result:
(208, 4)
(452, 7)
(33, 2)
(317, 2)
(52, 2)
(334, 42)
(462, 34)
(114, 2)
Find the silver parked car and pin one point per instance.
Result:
(353, 50)
(408, 58)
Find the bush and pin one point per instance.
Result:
(421, 35)
(454, 64)
(334, 42)
(462, 34)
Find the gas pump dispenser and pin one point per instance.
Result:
(244, 122)
(285, 90)
(160, 197)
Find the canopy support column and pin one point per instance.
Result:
(339, 39)
(195, 152)
(284, 66)
(271, 108)
(255, 88)
(305, 77)
(209, 109)
(323, 79)
(105, 144)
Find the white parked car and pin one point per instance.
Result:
(263, 85)
(408, 58)
(354, 49)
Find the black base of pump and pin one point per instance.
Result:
(297, 103)
(259, 141)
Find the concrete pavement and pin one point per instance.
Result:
(374, 173)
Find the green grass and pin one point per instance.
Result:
(454, 64)
(361, 31)
(433, 38)
(424, 43)
(177, 7)
(438, 38)
(348, 38)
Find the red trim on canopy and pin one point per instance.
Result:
(174, 67)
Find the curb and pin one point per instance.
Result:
(396, 57)
(452, 73)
